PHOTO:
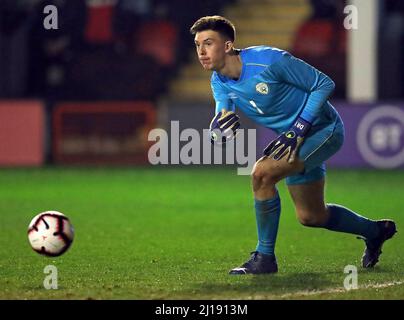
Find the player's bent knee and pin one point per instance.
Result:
(262, 178)
(311, 220)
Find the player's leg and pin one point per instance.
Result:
(307, 191)
(310, 207)
(266, 173)
(312, 211)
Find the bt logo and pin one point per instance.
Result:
(380, 137)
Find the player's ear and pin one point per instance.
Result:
(228, 46)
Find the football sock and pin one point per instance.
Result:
(267, 214)
(344, 220)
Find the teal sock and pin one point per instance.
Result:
(344, 220)
(267, 214)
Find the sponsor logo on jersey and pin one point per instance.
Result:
(232, 95)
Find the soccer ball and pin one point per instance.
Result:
(50, 233)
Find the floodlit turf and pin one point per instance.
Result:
(174, 234)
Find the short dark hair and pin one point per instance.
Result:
(216, 23)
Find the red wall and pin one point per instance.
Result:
(22, 129)
(102, 133)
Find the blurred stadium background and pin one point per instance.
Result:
(89, 91)
(87, 94)
(65, 94)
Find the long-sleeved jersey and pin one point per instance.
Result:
(274, 88)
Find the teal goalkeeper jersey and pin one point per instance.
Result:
(275, 88)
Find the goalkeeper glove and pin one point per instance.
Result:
(288, 143)
(223, 126)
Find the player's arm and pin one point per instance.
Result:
(319, 86)
(300, 74)
(226, 122)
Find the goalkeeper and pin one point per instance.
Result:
(285, 94)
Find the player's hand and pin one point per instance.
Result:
(224, 126)
(287, 144)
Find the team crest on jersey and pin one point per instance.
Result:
(262, 88)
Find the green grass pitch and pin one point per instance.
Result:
(155, 233)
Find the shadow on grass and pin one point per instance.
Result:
(377, 269)
(275, 286)
(250, 286)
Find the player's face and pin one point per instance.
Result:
(211, 49)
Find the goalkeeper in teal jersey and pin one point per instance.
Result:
(287, 95)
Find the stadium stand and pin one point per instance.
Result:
(118, 39)
(103, 49)
(315, 42)
(391, 50)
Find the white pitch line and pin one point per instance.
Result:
(341, 290)
(306, 293)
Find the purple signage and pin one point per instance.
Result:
(374, 136)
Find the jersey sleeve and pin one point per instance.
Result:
(298, 73)
(221, 97)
